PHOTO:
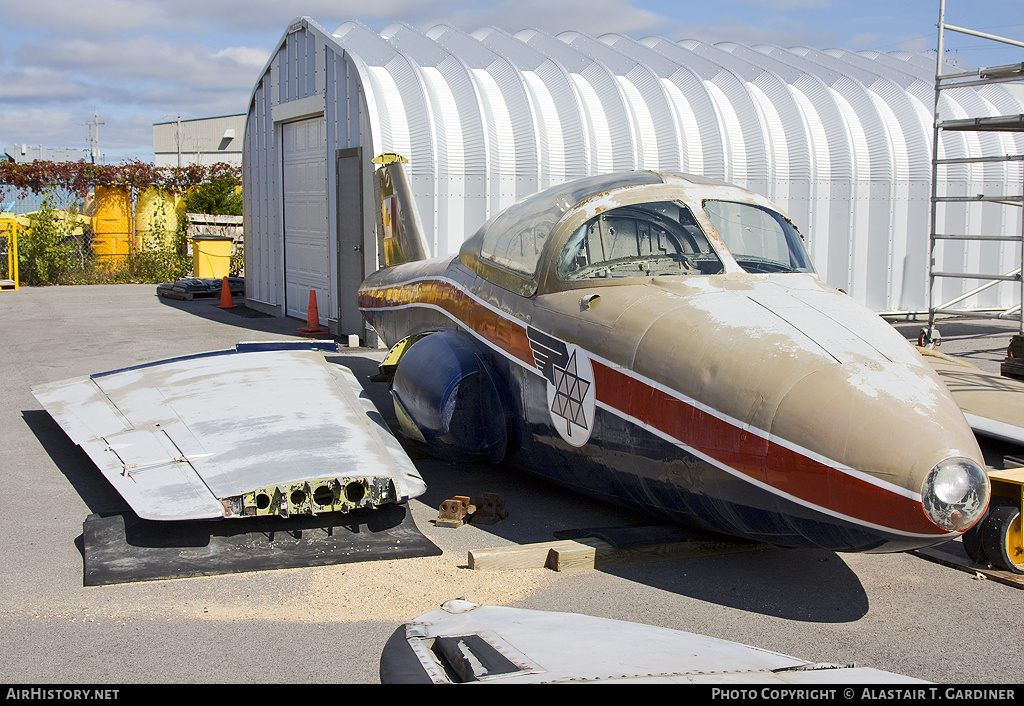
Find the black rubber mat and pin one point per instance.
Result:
(125, 549)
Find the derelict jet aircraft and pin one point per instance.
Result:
(662, 341)
(658, 341)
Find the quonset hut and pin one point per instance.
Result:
(840, 140)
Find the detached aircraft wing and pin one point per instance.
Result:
(463, 642)
(992, 404)
(263, 429)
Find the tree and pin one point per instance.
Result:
(218, 196)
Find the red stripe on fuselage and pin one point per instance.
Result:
(749, 455)
(756, 457)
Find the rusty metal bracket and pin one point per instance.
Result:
(453, 512)
(490, 508)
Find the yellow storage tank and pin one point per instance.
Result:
(211, 256)
(157, 213)
(112, 224)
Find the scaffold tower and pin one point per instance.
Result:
(945, 263)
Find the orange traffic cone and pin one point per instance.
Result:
(225, 295)
(312, 317)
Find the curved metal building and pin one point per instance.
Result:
(841, 140)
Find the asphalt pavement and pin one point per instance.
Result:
(327, 625)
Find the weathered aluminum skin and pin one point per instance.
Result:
(179, 438)
(500, 645)
(992, 404)
(768, 406)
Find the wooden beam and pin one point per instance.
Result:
(590, 552)
(519, 556)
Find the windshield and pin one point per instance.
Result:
(643, 240)
(760, 239)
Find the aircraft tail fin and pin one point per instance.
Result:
(400, 234)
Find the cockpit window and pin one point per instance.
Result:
(643, 240)
(514, 240)
(760, 239)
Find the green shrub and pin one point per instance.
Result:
(46, 247)
(162, 258)
(219, 195)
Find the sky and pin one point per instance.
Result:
(128, 64)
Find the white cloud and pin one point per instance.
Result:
(144, 59)
(63, 17)
(43, 126)
(594, 17)
(33, 84)
(792, 4)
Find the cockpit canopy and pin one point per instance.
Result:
(641, 240)
(631, 225)
(759, 238)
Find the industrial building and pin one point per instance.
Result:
(13, 201)
(205, 141)
(840, 140)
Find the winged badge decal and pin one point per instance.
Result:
(570, 384)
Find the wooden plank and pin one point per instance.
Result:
(520, 556)
(594, 554)
(952, 554)
(590, 552)
(586, 553)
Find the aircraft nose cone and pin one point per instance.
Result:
(880, 428)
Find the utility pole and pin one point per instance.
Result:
(94, 140)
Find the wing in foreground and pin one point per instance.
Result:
(465, 642)
(264, 429)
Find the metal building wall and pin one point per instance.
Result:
(840, 140)
(200, 141)
(309, 77)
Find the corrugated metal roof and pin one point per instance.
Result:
(839, 139)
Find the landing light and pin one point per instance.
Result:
(955, 493)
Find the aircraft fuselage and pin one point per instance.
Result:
(683, 427)
(758, 403)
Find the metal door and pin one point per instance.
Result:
(350, 240)
(305, 217)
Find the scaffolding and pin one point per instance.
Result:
(983, 124)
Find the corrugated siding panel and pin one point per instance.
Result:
(260, 182)
(608, 112)
(714, 146)
(840, 140)
(645, 136)
(691, 152)
(733, 135)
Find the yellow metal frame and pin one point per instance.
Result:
(1008, 485)
(9, 227)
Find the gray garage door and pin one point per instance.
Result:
(305, 217)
